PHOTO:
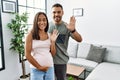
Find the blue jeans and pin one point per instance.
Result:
(41, 75)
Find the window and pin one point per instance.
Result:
(31, 7)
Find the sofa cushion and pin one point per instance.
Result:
(87, 64)
(72, 49)
(105, 71)
(83, 49)
(112, 54)
(96, 53)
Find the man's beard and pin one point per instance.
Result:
(57, 19)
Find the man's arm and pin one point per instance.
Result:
(71, 27)
(76, 36)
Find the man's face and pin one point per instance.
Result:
(57, 14)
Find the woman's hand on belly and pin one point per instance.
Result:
(43, 68)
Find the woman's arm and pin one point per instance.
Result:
(53, 38)
(53, 48)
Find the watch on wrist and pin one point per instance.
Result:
(73, 31)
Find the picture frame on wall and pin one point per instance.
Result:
(9, 6)
(77, 12)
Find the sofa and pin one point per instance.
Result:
(102, 62)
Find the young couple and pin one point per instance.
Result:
(46, 45)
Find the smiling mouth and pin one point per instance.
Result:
(57, 18)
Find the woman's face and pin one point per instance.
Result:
(42, 22)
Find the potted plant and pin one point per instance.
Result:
(18, 28)
(70, 78)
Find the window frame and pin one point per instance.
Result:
(1, 46)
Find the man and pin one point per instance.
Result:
(65, 31)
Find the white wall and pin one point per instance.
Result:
(12, 65)
(100, 22)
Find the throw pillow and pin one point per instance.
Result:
(96, 53)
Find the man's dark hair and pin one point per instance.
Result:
(57, 5)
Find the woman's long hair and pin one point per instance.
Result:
(35, 29)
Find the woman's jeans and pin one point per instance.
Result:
(41, 75)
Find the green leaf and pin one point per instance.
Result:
(70, 78)
(19, 29)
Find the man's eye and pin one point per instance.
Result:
(54, 12)
(59, 11)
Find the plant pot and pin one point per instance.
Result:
(26, 77)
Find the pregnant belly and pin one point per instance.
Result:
(45, 61)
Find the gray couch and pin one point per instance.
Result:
(102, 62)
